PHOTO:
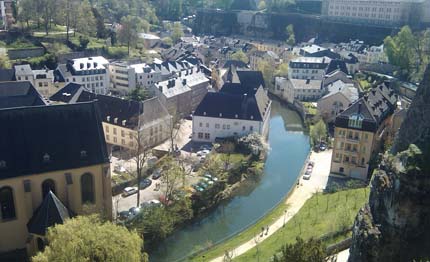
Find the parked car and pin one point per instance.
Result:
(198, 188)
(323, 146)
(150, 203)
(123, 215)
(307, 175)
(206, 147)
(119, 168)
(157, 174)
(128, 191)
(209, 176)
(134, 210)
(199, 153)
(145, 183)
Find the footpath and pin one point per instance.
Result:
(297, 199)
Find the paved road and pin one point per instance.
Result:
(297, 199)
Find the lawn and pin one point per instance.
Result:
(310, 108)
(19, 43)
(320, 215)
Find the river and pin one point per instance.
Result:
(289, 147)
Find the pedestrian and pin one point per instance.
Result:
(262, 231)
(267, 230)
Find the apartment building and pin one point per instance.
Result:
(313, 68)
(371, 12)
(42, 80)
(122, 118)
(90, 72)
(360, 130)
(299, 89)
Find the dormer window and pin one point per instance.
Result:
(204, 113)
(236, 116)
(46, 158)
(115, 120)
(220, 114)
(252, 117)
(355, 121)
(108, 118)
(83, 154)
(123, 122)
(2, 164)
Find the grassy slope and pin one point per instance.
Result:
(320, 215)
(315, 221)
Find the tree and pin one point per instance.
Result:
(129, 31)
(301, 251)
(87, 238)
(267, 71)
(240, 56)
(26, 11)
(4, 62)
(291, 38)
(177, 32)
(262, 5)
(318, 132)
(85, 20)
(139, 94)
(282, 70)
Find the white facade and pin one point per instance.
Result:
(207, 129)
(122, 78)
(283, 89)
(300, 89)
(90, 72)
(381, 12)
(146, 76)
(42, 80)
(308, 68)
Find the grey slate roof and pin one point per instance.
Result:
(50, 138)
(19, 94)
(7, 75)
(51, 212)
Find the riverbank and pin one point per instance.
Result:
(275, 219)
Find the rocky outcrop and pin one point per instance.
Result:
(395, 224)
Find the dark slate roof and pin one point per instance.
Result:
(242, 106)
(114, 107)
(42, 139)
(7, 75)
(335, 76)
(51, 212)
(19, 94)
(375, 107)
(248, 82)
(336, 65)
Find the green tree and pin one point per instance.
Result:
(282, 70)
(129, 31)
(85, 20)
(301, 251)
(291, 38)
(177, 32)
(240, 56)
(262, 5)
(268, 73)
(87, 238)
(318, 132)
(4, 62)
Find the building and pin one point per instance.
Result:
(240, 108)
(91, 72)
(313, 68)
(299, 89)
(341, 93)
(42, 80)
(381, 13)
(20, 94)
(182, 95)
(121, 118)
(150, 40)
(360, 131)
(312, 50)
(50, 155)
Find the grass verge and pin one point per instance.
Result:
(320, 214)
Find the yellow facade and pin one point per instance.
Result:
(14, 234)
(352, 150)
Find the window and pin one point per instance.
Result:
(228, 126)
(122, 133)
(207, 125)
(207, 136)
(200, 135)
(107, 129)
(251, 128)
(114, 131)
(87, 188)
(114, 139)
(217, 126)
(107, 137)
(48, 185)
(341, 170)
(200, 124)
(243, 128)
(122, 141)
(7, 205)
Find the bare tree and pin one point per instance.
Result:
(172, 130)
(172, 175)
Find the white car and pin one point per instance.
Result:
(307, 175)
(129, 191)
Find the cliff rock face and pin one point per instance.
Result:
(395, 224)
